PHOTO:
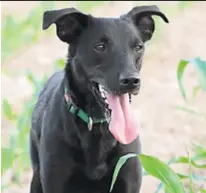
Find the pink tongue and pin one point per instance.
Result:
(123, 124)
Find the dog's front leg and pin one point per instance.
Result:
(55, 166)
(130, 177)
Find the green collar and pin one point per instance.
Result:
(80, 113)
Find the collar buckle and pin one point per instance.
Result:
(90, 123)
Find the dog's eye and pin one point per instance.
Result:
(138, 47)
(100, 47)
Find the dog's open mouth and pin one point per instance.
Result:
(123, 123)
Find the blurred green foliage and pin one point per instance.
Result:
(18, 32)
(15, 155)
(88, 5)
(200, 67)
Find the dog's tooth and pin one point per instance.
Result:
(100, 88)
(102, 93)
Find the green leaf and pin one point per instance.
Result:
(190, 173)
(166, 189)
(188, 110)
(200, 152)
(30, 76)
(12, 139)
(200, 66)
(183, 4)
(202, 190)
(199, 156)
(119, 165)
(8, 111)
(194, 177)
(195, 90)
(180, 71)
(156, 168)
(182, 177)
(60, 64)
(183, 159)
(159, 187)
(22, 163)
(8, 156)
(162, 172)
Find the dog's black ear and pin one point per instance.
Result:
(69, 23)
(141, 16)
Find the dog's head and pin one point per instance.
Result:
(106, 57)
(106, 51)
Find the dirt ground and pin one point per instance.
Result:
(165, 131)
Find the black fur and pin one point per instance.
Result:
(66, 157)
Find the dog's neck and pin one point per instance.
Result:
(81, 95)
(100, 140)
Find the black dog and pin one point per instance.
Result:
(82, 122)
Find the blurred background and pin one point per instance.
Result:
(30, 55)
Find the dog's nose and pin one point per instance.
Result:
(129, 81)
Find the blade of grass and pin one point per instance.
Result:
(8, 156)
(119, 165)
(162, 172)
(190, 173)
(194, 177)
(188, 110)
(195, 90)
(157, 169)
(185, 160)
(180, 71)
(159, 187)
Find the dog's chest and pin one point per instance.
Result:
(80, 183)
(97, 147)
(95, 173)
